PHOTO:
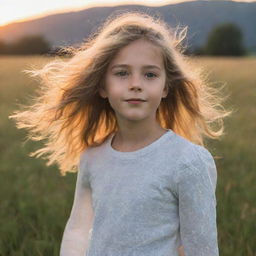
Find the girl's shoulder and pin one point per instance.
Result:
(191, 153)
(197, 163)
(92, 152)
(196, 154)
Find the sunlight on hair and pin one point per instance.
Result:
(70, 115)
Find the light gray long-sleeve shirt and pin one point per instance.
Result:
(150, 201)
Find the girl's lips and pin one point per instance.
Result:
(135, 101)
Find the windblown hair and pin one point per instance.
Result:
(70, 114)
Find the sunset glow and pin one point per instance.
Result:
(22, 10)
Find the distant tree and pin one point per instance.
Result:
(199, 50)
(32, 44)
(225, 39)
(196, 50)
(2, 47)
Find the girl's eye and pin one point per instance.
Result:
(121, 73)
(154, 75)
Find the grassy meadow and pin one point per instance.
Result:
(36, 201)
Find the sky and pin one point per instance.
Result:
(21, 10)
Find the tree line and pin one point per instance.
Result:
(32, 44)
(223, 40)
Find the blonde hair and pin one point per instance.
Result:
(69, 112)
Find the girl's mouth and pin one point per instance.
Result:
(135, 101)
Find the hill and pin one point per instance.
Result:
(199, 16)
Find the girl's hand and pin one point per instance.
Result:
(181, 251)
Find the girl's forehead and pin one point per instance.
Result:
(139, 51)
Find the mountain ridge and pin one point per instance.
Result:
(200, 16)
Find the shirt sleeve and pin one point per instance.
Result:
(197, 205)
(83, 173)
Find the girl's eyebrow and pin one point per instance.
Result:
(126, 65)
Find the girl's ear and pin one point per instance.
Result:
(103, 93)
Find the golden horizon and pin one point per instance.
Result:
(32, 13)
(100, 3)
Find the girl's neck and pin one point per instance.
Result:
(135, 137)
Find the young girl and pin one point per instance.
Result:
(130, 111)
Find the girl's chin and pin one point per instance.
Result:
(135, 115)
(134, 118)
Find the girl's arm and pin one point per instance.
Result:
(181, 251)
(197, 206)
(76, 234)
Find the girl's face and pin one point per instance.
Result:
(136, 72)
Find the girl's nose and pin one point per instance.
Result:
(135, 83)
(135, 88)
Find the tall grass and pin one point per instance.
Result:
(36, 201)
